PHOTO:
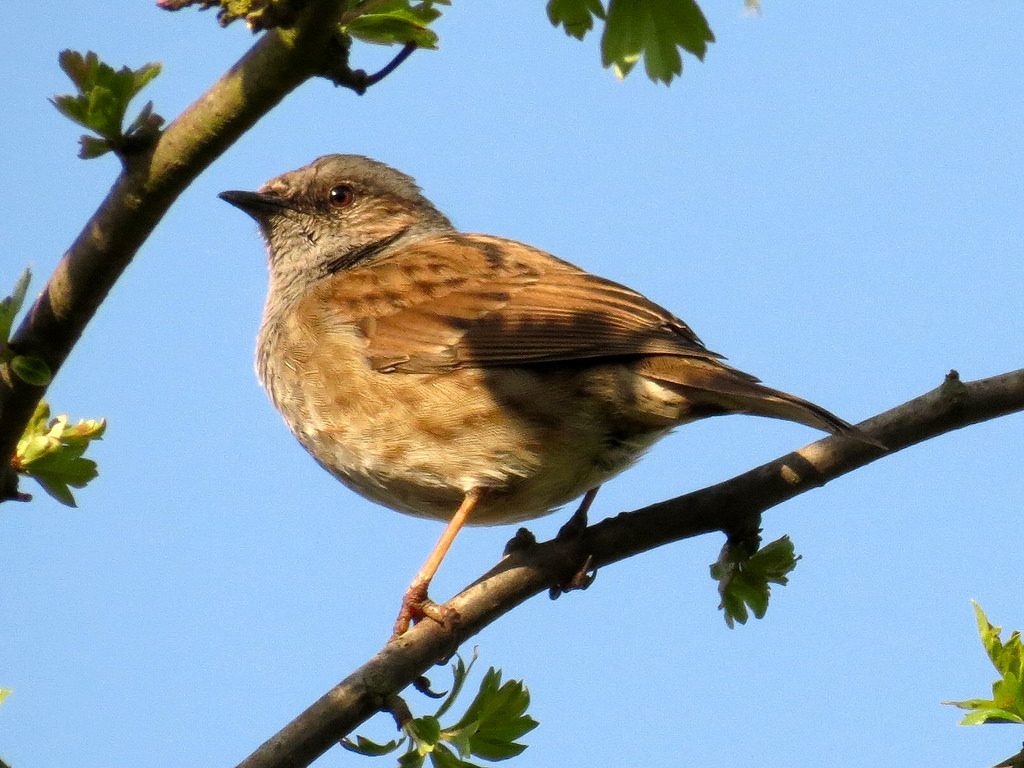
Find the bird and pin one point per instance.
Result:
(466, 377)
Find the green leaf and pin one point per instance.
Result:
(411, 759)
(744, 580)
(425, 730)
(10, 306)
(735, 609)
(364, 746)
(102, 101)
(1007, 658)
(654, 30)
(90, 147)
(990, 715)
(258, 14)
(384, 30)
(442, 757)
(495, 749)
(775, 560)
(492, 722)
(511, 729)
(488, 687)
(51, 452)
(396, 22)
(460, 671)
(575, 16)
(31, 370)
(4, 693)
(1007, 702)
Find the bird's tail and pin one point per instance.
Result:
(710, 387)
(764, 401)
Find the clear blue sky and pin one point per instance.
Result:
(833, 200)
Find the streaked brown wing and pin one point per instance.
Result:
(472, 300)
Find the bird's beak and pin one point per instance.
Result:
(259, 205)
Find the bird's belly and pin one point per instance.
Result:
(517, 485)
(532, 440)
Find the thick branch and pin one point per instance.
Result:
(150, 182)
(529, 570)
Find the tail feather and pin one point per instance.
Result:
(781, 405)
(713, 387)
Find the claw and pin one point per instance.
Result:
(574, 529)
(582, 579)
(417, 605)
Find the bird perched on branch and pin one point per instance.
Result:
(466, 377)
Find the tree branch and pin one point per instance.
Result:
(147, 186)
(533, 568)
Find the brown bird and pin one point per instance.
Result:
(466, 377)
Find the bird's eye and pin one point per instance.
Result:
(341, 196)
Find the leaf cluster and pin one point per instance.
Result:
(383, 22)
(28, 368)
(745, 578)
(102, 102)
(257, 14)
(654, 30)
(488, 730)
(1007, 702)
(393, 22)
(51, 451)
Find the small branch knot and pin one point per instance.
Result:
(745, 534)
(523, 540)
(953, 390)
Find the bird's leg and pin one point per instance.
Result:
(576, 524)
(416, 604)
(573, 528)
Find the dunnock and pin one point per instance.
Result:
(465, 377)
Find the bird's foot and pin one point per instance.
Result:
(574, 526)
(582, 579)
(573, 531)
(577, 524)
(417, 605)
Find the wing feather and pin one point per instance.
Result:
(470, 300)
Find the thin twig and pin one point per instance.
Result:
(402, 55)
(356, 79)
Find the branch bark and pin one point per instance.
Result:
(733, 505)
(149, 183)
